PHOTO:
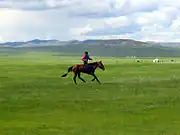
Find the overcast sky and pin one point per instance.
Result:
(146, 20)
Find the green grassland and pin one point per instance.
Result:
(134, 98)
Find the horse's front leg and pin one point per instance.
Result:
(95, 77)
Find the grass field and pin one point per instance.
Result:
(133, 99)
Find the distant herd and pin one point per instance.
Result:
(157, 60)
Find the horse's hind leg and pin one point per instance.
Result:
(79, 76)
(74, 78)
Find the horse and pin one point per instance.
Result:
(90, 69)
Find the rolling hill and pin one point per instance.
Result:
(115, 47)
(166, 44)
(34, 43)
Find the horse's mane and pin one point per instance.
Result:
(93, 63)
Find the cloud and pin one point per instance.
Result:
(141, 5)
(84, 8)
(113, 31)
(115, 22)
(15, 24)
(1, 39)
(82, 19)
(159, 24)
(163, 16)
(156, 32)
(35, 4)
(110, 8)
(81, 31)
(91, 8)
(24, 25)
(113, 26)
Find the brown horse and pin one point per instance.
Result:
(90, 69)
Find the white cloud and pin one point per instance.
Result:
(35, 4)
(175, 25)
(81, 31)
(143, 20)
(120, 4)
(157, 33)
(141, 5)
(14, 24)
(1, 39)
(116, 22)
(73, 19)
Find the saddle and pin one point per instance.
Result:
(82, 66)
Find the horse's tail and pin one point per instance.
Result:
(69, 70)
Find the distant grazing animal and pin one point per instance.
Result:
(138, 60)
(80, 68)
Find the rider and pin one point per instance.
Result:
(85, 58)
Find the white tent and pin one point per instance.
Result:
(156, 60)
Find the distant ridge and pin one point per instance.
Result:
(100, 47)
(38, 42)
(119, 42)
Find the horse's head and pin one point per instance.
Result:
(100, 65)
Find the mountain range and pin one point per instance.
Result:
(109, 47)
